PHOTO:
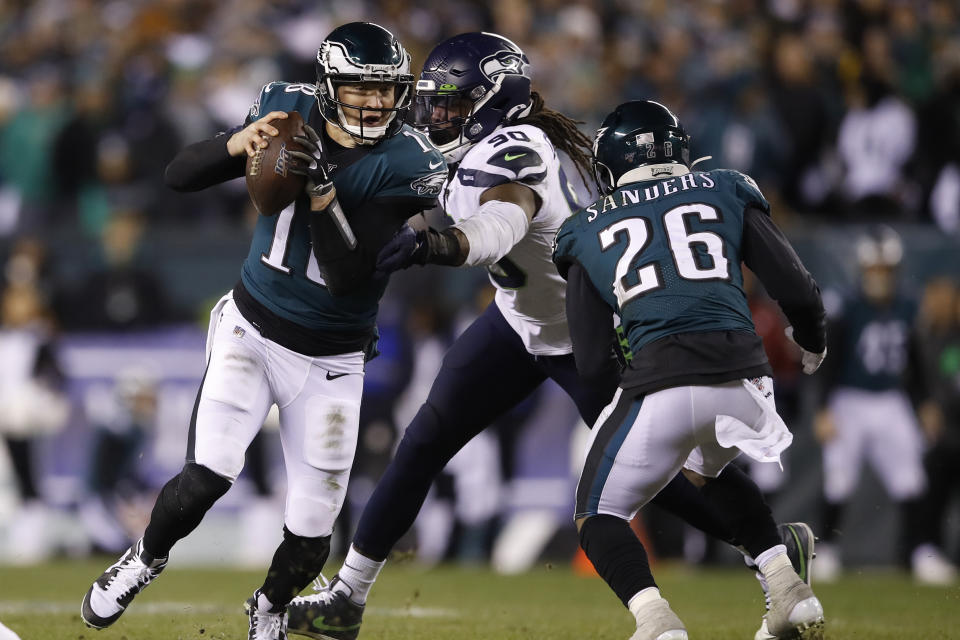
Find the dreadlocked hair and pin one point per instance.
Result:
(562, 132)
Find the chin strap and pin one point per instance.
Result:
(364, 135)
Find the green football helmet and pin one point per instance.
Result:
(363, 52)
(638, 133)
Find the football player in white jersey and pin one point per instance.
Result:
(508, 195)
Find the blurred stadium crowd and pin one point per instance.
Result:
(847, 112)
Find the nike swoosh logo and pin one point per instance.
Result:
(334, 376)
(509, 157)
(434, 166)
(318, 623)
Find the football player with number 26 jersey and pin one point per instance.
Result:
(299, 325)
(662, 248)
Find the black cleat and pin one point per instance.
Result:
(799, 540)
(326, 615)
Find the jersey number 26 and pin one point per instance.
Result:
(639, 234)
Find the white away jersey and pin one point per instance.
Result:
(530, 292)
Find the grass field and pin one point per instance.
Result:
(464, 604)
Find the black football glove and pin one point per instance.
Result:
(312, 163)
(408, 247)
(405, 248)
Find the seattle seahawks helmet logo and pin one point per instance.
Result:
(429, 185)
(501, 62)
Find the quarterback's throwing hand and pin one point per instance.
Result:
(810, 361)
(254, 136)
(400, 252)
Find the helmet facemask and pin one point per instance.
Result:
(471, 84)
(447, 117)
(336, 68)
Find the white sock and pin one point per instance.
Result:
(357, 575)
(641, 599)
(263, 604)
(773, 558)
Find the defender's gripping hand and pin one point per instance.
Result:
(313, 164)
(810, 361)
(407, 247)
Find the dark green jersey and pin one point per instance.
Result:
(378, 187)
(665, 253)
(873, 343)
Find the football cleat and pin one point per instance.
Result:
(931, 567)
(657, 621)
(265, 625)
(326, 615)
(799, 540)
(794, 611)
(109, 596)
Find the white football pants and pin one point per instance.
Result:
(639, 444)
(319, 403)
(881, 427)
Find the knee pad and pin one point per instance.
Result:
(197, 489)
(215, 445)
(181, 505)
(313, 507)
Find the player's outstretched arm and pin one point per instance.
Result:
(771, 257)
(209, 162)
(502, 221)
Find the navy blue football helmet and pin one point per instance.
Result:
(470, 85)
(363, 52)
(637, 134)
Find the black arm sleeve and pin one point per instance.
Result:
(204, 164)
(591, 327)
(769, 255)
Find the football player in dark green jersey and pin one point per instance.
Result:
(297, 328)
(867, 413)
(661, 248)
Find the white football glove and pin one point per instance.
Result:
(810, 361)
